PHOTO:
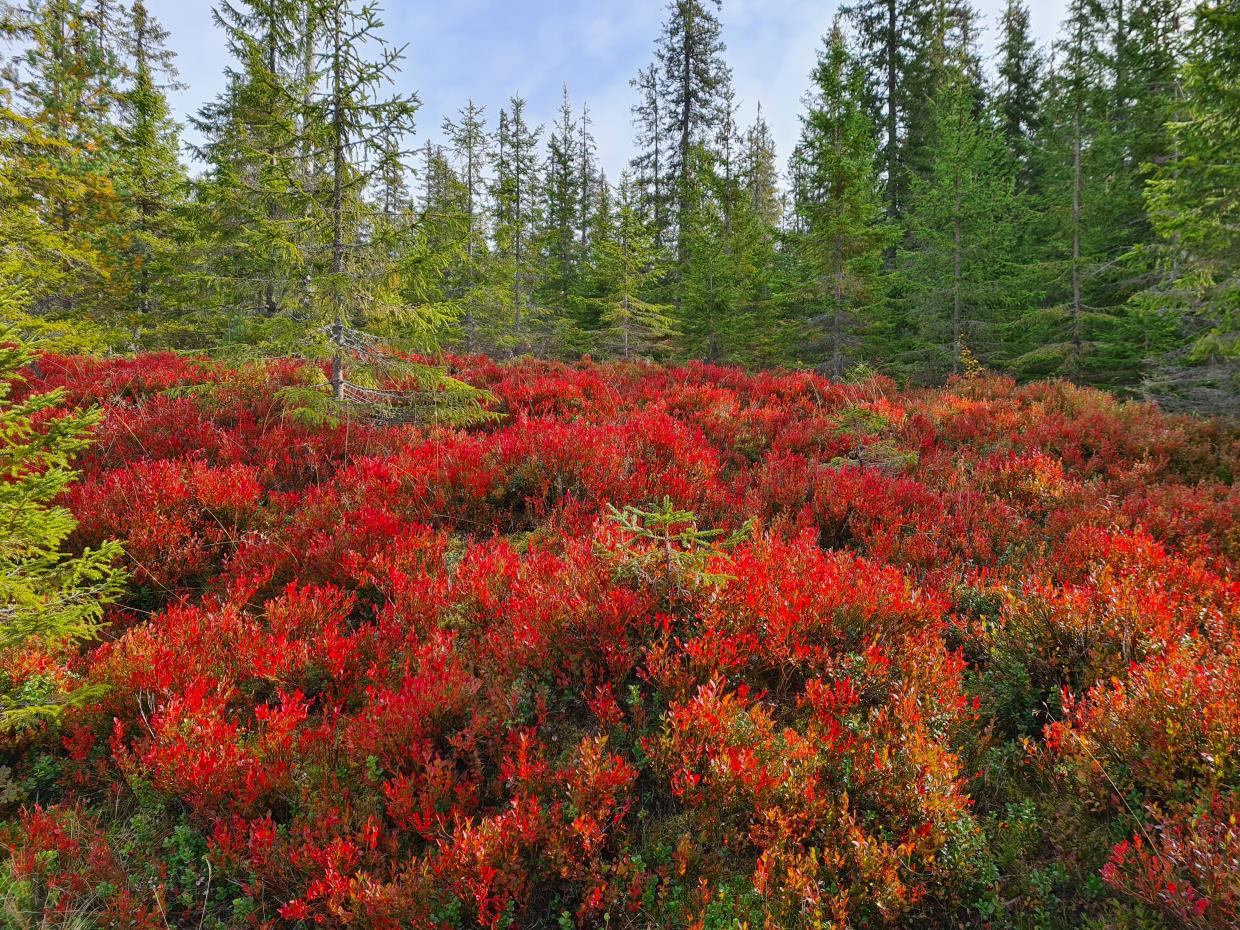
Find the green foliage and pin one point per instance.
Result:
(1018, 96)
(692, 83)
(397, 391)
(151, 185)
(1074, 217)
(1193, 198)
(835, 249)
(665, 542)
(1085, 224)
(727, 257)
(625, 266)
(514, 319)
(559, 246)
(960, 266)
(263, 164)
(48, 598)
(871, 449)
(58, 203)
(470, 144)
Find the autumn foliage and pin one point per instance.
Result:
(659, 647)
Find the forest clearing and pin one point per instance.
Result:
(682, 646)
(514, 528)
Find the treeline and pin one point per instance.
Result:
(1071, 210)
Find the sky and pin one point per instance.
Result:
(491, 49)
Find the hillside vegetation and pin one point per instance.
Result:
(650, 647)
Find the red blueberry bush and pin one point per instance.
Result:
(658, 647)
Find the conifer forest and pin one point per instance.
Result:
(419, 525)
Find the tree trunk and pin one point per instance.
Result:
(837, 336)
(893, 44)
(517, 240)
(627, 323)
(657, 168)
(269, 292)
(1076, 234)
(338, 169)
(686, 137)
(957, 327)
(470, 246)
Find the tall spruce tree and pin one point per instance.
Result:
(61, 87)
(905, 48)
(835, 248)
(1146, 52)
(354, 123)
(589, 178)
(470, 144)
(694, 84)
(153, 182)
(559, 241)
(625, 268)
(962, 242)
(256, 135)
(650, 164)
(515, 205)
(37, 256)
(760, 173)
(1145, 89)
(723, 309)
(437, 272)
(1018, 87)
(1193, 200)
(1081, 202)
(887, 32)
(946, 43)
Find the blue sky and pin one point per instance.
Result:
(491, 49)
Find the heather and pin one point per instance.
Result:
(647, 647)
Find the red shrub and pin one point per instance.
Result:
(396, 677)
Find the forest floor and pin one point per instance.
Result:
(656, 646)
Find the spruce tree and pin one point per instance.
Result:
(393, 197)
(1194, 205)
(470, 144)
(48, 596)
(625, 268)
(887, 32)
(1018, 89)
(1145, 59)
(694, 82)
(723, 309)
(946, 43)
(905, 48)
(61, 87)
(515, 205)
(153, 183)
(759, 172)
(562, 191)
(589, 179)
(394, 214)
(836, 245)
(354, 121)
(37, 256)
(650, 164)
(1082, 205)
(1145, 56)
(962, 241)
(434, 263)
(254, 206)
